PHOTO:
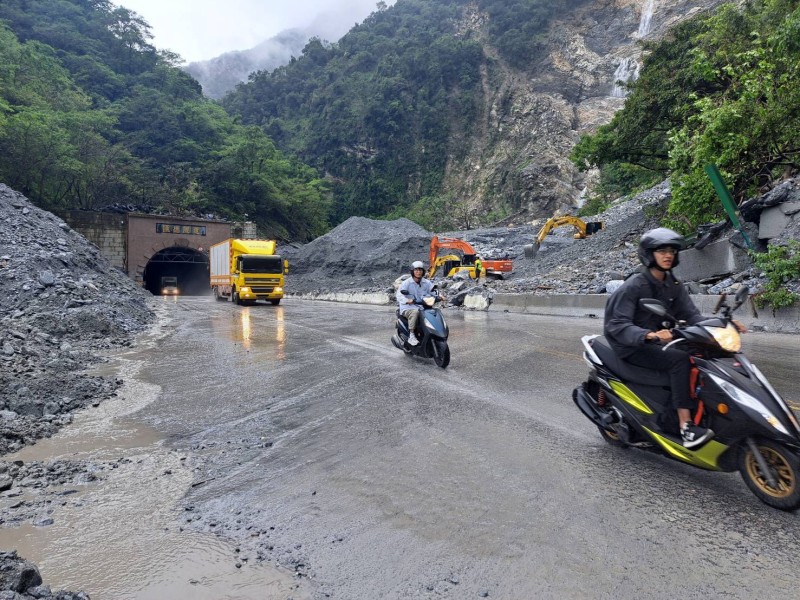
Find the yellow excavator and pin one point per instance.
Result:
(583, 229)
(464, 261)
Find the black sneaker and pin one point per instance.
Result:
(693, 435)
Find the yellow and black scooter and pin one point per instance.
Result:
(755, 431)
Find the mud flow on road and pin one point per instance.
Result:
(117, 530)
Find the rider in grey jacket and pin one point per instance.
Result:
(417, 287)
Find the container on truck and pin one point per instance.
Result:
(247, 270)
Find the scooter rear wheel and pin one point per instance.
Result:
(785, 468)
(612, 438)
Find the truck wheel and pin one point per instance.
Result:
(235, 297)
(275, 302)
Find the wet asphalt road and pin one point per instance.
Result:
(317, 445)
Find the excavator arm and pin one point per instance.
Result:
(441, 243)
(583, 229)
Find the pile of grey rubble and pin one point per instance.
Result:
(63, 305)
(364, 255)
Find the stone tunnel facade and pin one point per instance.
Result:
(130, 240)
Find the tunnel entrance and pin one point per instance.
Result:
(184, 268)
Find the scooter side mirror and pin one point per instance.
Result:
(653, 305)
(404, 292)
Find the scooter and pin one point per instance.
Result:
(433, 334)
(756, 432)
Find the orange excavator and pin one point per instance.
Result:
(464, 260)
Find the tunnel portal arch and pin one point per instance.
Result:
(188, 267)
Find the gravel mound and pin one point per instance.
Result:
(364, 255)
(359, 255)
(62, 305)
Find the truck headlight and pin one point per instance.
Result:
(244, 290)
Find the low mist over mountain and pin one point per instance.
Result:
(221, 74)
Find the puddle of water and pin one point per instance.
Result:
(121, 537)
(121, 540)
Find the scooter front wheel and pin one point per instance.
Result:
(784, 466)
(441, 353)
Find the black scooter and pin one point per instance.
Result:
(756, 432)
(432, 332)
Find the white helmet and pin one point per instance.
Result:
(417, 264)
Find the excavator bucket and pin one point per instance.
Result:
(531, 250)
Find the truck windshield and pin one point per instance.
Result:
(262, 264)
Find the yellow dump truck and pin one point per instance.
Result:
(247, 270)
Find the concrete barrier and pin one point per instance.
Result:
(357, 298)
(785, 320)
(717, 259)
(592, 306)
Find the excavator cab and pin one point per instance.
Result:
(464, 261)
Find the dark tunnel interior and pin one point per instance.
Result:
(185, 268)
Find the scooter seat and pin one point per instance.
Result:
(626, 370)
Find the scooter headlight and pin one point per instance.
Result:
(429, 301)
(727, 337)
(745, 399)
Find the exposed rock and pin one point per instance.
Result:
(368, 256)
(519, 148)
(62, 304)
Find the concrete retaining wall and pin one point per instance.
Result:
(591, 306)
(785, 320)
(104, 230)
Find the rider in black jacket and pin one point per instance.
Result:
(635, 333)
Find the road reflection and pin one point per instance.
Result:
(280, 334)
(246, 327)
(256, 333)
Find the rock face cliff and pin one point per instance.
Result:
(519, 152)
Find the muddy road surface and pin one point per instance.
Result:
(292, 452)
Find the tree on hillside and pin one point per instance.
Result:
(723, 89)
(92, 115)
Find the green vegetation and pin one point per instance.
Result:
(383, 110)
(92, 115)
(724, 88)
(781, 264)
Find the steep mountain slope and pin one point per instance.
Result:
(530, 123)
(457, 107)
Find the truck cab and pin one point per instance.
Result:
(169, 286)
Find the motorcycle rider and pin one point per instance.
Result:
(417, 287)
(634, 333)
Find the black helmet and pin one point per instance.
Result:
(659, 238)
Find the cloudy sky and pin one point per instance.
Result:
(203, 29)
